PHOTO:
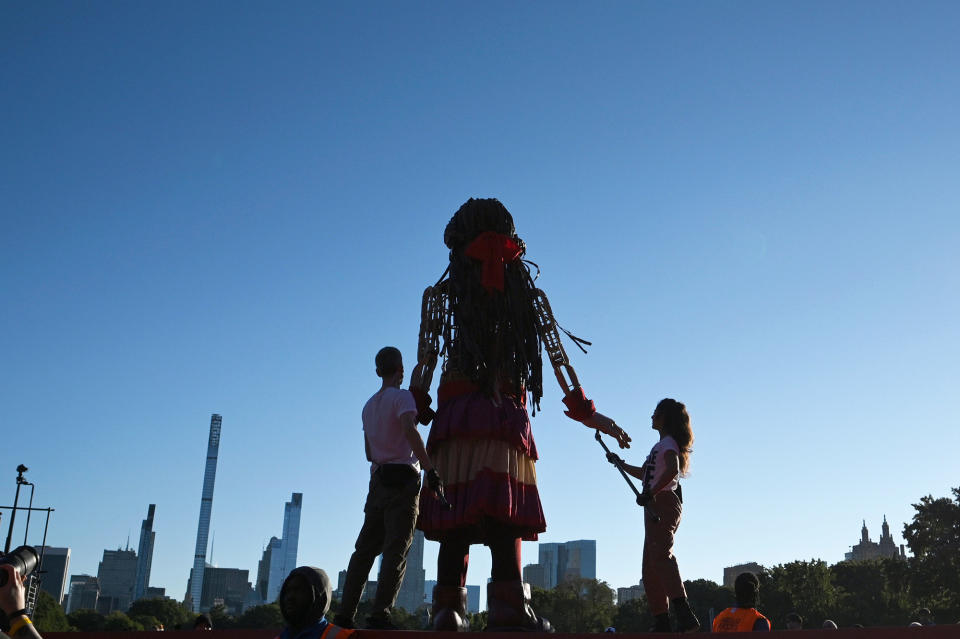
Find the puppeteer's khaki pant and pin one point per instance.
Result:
(390, 514)
(661, 576)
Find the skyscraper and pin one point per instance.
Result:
(473, 599)
(581, 560)
(273, 560)
(559, 562)
(145, 554)
(84, 593)
(283, 552)
(410, 597)
(227, 587)
(56, 564)
(263, 569)
(116, 575)
(206, 505)
(291, 532)
(536, 575)
(551, 561)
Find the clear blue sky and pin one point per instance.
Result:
(230, 206)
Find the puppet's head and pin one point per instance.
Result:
(477, 216)
(492, 331)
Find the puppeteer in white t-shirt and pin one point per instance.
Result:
(384, 432)
(656, 466)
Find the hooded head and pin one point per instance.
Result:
(305, 596)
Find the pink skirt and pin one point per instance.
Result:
(486, 456)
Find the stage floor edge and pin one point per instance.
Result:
(925, 632)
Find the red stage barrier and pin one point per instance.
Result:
(926, 632)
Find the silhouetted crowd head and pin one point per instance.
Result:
(747, 589)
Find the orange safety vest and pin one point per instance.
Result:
(737, 620)
(335, 632)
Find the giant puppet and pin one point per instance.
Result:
(490, 324)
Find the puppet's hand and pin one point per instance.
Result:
(609, 427)
(580, 408)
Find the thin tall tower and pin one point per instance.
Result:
(145, 554)
(206, 505)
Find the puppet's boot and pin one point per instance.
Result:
(449, 610)
(508, 603)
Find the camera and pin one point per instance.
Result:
(24, 559)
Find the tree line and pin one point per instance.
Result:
(881, 592)
(147, 614)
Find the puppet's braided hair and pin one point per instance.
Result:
(492, 337)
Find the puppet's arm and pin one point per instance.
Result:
(579, 407)
(428, 349)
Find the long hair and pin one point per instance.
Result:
(491, 336)
(676, 423)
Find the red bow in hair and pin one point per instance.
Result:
(495, 250)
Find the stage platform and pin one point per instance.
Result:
(927, 632)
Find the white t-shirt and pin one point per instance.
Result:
(656, 466)
(381, 423)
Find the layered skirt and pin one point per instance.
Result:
(486, 456)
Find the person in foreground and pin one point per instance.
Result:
(395, 452)
(662, 499)
(743, 617)
(13, 603)
(304, 601)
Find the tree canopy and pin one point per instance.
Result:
(48, 616)
(169, 612)
(266, 616)
(577, 605)
(934, 539)
(86, 620)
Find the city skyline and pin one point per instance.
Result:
(750, 208)
(123, 575)
(552, 553)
